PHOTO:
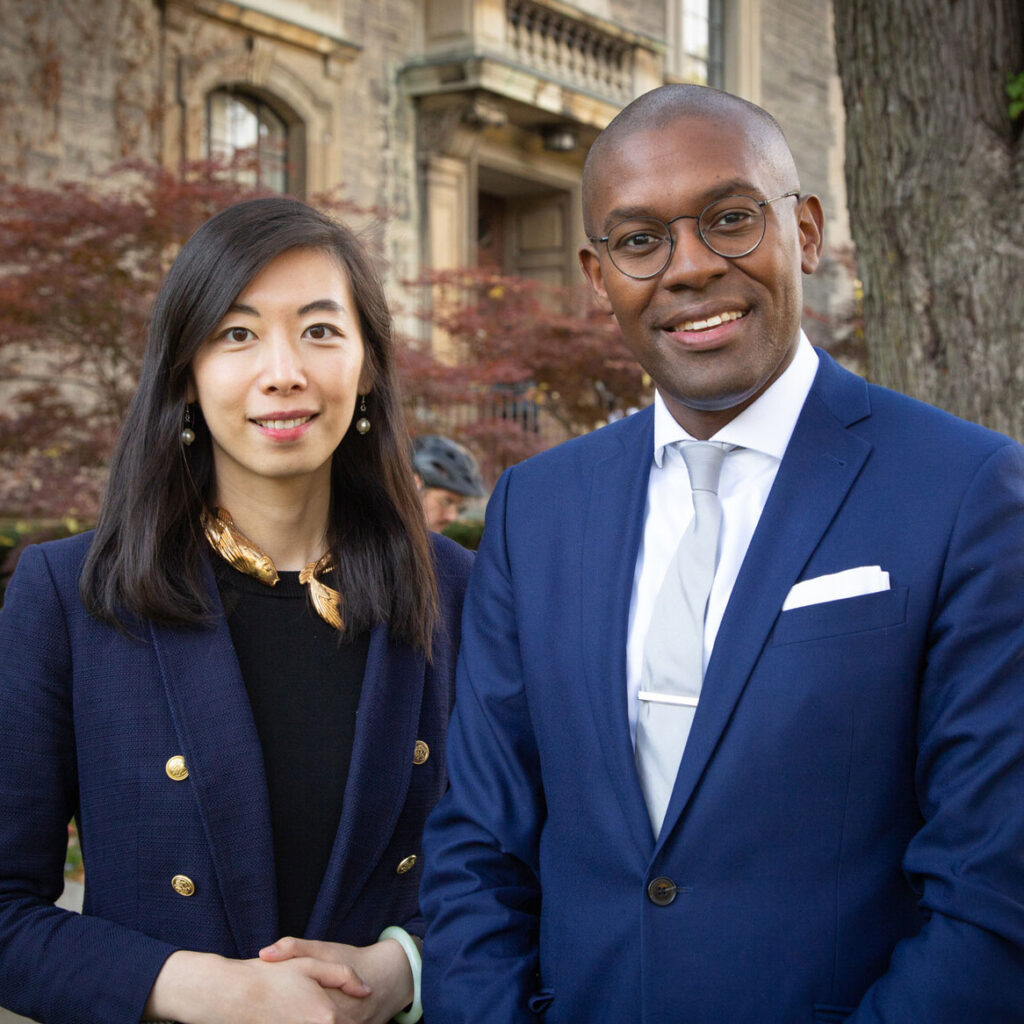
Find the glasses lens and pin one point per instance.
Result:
(732, 226)
(640, 248)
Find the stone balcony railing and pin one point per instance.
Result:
(569, 50)
(544, 55)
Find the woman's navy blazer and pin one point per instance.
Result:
(89, 720)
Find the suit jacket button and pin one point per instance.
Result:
(407, 864)
(420, 752)
(662, 891)
(176, 768)
(183, 885)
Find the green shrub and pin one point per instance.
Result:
(17, 534)
(466, 533)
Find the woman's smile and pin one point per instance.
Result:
(284, 426)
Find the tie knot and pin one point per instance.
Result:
(704, 463)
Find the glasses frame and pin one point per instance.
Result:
(761, 203)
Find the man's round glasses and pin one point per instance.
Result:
(641, 247)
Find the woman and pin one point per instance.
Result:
(200, 720)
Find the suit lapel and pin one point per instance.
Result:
(379, 775)
(214, 724)
(613, 526)
(820, 465)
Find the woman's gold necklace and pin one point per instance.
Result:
(238, 551)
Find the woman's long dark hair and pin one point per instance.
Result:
(147, 558)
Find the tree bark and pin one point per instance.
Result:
(935, 176)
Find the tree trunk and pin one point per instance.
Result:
(935, 174)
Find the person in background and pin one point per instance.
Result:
(739, 734)
(239, 684)
(446, 475)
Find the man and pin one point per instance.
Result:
(446, 475)
(842, 833)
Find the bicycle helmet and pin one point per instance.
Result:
(440, 462)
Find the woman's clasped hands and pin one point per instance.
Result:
(293, 981)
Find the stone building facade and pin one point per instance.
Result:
(465, 121)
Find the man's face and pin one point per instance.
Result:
(707, 374)
(441, 507)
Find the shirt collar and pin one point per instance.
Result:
(766, 425)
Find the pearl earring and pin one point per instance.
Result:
(362, 424)
(188, 435)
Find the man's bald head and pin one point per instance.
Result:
(659, 109)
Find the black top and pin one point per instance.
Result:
(304, 690)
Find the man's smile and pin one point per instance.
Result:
(716, 320)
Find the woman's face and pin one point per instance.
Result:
(277, 380)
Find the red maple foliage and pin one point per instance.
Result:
(528, 365)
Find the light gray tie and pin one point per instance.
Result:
(673, 667)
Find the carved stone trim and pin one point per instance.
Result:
(436, 127)
(241, 16)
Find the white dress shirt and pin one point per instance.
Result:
(762, 431)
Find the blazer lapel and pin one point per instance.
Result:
(378, 779)
(820, 465)
(214, 724)
(613, 526)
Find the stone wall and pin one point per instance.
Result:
(800, 87)
(78, 87)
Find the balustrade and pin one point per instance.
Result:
(569, 50)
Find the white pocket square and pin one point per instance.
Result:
(865, 579)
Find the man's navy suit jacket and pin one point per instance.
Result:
(846, 832)
(88, 720)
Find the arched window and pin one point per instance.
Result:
(249, 135)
